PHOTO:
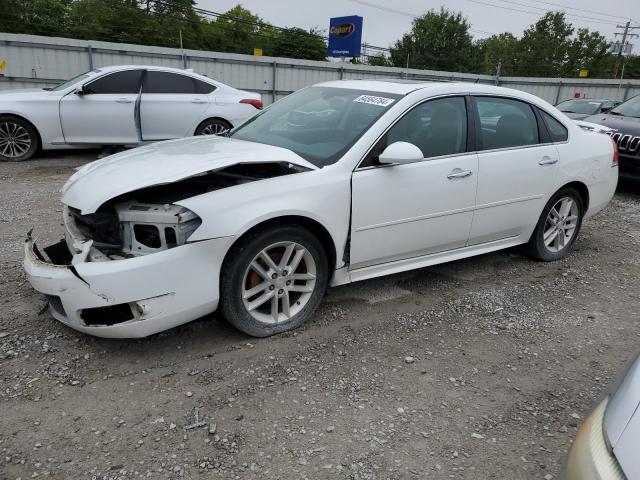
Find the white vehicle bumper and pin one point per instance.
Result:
(134, 297)
(602, 192)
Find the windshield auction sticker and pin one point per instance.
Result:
(371, 100)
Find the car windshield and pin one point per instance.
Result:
(630, 108)
(318, 123)
(73, 80)
(579, 106)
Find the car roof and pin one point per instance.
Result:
(404, 87)
(188, 71)
(114, 68)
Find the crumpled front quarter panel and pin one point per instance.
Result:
(321, 195)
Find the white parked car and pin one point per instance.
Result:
(121, 105)
(340, 182)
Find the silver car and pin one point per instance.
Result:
(607, 446)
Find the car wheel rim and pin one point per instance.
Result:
(15, 141)
(561, 224)
(278, 282)
(214, 129)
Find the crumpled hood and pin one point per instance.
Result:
(162, 163)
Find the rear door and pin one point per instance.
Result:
(517, 168)
(172, 104)
(105, 113)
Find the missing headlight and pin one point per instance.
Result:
(147, 228)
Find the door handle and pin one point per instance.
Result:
(457, 173)
(198, 100)
(124, 100)
(547, 161)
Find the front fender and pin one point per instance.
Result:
(319, 195)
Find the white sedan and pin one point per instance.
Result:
(340, 182)
(122, 105)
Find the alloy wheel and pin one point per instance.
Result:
(214, 129)
(279, 282)
(560, 225)
(15, 140)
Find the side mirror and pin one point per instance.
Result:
(80, 90)
(401, 152)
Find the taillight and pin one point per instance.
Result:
(254, 102)
(614, 161)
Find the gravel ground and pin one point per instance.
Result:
(481, 368)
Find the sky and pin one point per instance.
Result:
(389, 20)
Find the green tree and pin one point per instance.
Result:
(35, 17)
(437, 41)
(588, 50)
(544, 47)
(500, 49)
(299, 43)
(379, 61)
(238, 31)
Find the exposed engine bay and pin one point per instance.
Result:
(147, 221)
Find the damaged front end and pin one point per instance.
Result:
(148, 220)
(120, 266)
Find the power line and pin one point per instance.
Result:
(211, 13)
(571, 17)
(568, 14)
(408, 14)
(581, 9)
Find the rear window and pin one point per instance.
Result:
(557, 131)
(505, 123)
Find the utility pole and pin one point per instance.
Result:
(623, 44)
(184, 58)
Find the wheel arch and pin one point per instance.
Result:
(582, 189)
(313, 226)
(25, 119)
(216, 117)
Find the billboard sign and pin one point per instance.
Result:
(345, 36)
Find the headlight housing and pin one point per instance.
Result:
(590, 457)
(147, 228)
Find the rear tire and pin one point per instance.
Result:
(19, 140)
(558, 226)
(273, 280)
(213, 126)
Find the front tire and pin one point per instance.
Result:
(273, 280)
(18, 139)
(558, 226)
(213, 126)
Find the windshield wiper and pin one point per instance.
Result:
(616, 113)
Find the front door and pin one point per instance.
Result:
(104, 112)
(517, 171)
(409, 210)
(171, 105)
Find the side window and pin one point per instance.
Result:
(437, 127)
(557, 131)
(203, 87)
(505, 123)
(118, 83)
(166, 82)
